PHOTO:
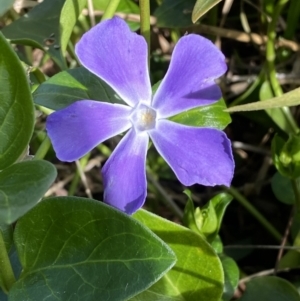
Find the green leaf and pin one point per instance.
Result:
(189, 218)
(202, 7)
(7, 232)
(81, 249)
(5, 5)
(276, 114)
(212, 116)
(197, 274)
(288, 99)
(47, 26)
(270, 288)
(21, 187)
(66, 87)
(174, 13)
(17, 111)
(220, 203)
(286, 155)
(283, 189)
(231, 273)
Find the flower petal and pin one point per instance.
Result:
(78, 128)
(190, 80)
(119, 57)
(196, 155)
(124, 175)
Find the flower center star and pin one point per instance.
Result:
(143, 118)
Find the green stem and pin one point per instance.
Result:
(83, 162)
(270, 59)
(145, 22)
(6, 272)
(43, 149)
(264, 222)
(110, 9)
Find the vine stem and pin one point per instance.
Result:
(6, 272)
(110, 9)
(145, 23)
(43, 149)
(264, 222)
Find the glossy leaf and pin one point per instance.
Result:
(197, 274)
(47, 26)
(17, 111)
(231, 273)
(5, 5)
(174, 13)
(21, 186)
(270, 288)
(82, 249)
(66, 87)
(7, 232)
(202, 7)
(283, 189)
(212, 116)
(288, 99)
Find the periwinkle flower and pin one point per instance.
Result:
(119, 57)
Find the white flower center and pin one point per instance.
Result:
(143, 117)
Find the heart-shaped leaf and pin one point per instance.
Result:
(198, 273)
(21, 186)
(17, 111)
(81, 249)
(66, 87)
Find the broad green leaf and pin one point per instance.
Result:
(69, 86)
(125, 6)
(212, 116)
(174, 13)
(5, 5)
(197, 274)
(202, 7)
(47, 26)
(278, 115)
(21, 187)
(288, 99)
(16, 107)
(231, 273)
(270, 288)
(283, 189)
(81, 249)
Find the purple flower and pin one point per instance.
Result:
(119, 57)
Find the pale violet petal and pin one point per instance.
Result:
(196, 155)
(124, 174)
(190, 80)
(78, 128)
(119, 57)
